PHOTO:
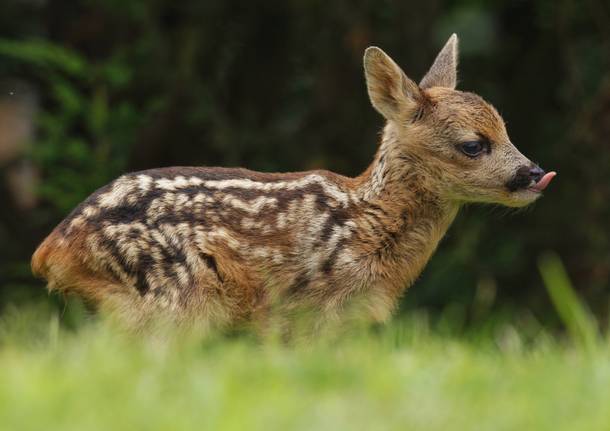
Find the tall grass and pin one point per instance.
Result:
(574, 313)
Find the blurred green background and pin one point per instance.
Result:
(93, 88)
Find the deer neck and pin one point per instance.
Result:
(410, 209)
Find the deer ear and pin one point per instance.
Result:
(392, 93)
(443, 72)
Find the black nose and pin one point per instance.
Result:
(524, 176)
(536, 173)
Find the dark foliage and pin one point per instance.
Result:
(278, 86)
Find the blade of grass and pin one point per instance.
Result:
(574, 313)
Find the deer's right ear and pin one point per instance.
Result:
(392, 93)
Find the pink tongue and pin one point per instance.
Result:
(544, 181)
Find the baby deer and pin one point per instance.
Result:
(225, 246)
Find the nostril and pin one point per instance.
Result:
(536, 173)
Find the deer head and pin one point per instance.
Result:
(457, 138)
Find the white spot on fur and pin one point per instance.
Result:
(261, 252)
(90, 211)
(223, 235)
(252, 207)
(120, 189)
(278, 258)
(182, 274)
(144, 182)
(77, 222)
(195, 181)
(281, 220)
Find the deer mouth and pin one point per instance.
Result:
(543, 183)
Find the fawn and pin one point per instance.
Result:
(221, 246)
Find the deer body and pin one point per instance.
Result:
(223, 246)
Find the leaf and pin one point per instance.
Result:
(46, 55)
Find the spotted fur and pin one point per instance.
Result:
(218, 246)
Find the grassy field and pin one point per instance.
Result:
(404, 376)
(399, 377)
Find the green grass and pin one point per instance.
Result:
(403, 376)
(399, 377)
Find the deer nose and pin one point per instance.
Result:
(536, 173)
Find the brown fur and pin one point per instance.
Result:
(203, 247)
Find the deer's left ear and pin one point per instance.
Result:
(443, 72)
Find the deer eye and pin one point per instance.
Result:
(472, 148)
